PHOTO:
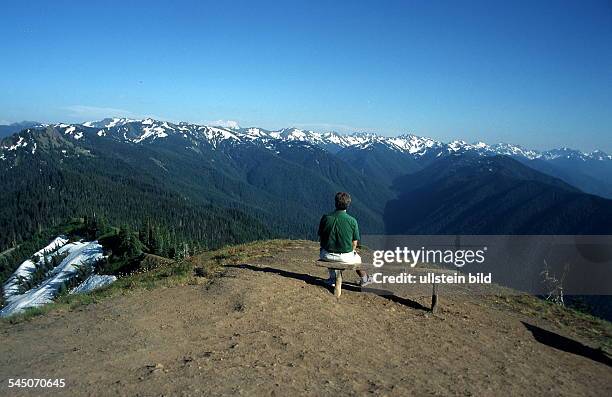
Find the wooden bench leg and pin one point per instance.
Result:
(338, 288)
(434, 298)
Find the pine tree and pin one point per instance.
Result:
(129, 246)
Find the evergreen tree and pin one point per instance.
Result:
(129, 246)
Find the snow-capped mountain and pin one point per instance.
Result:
(385, 156)
(150, 130)
(408, 143)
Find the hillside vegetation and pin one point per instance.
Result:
(210, 186)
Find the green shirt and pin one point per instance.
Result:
(337, 231)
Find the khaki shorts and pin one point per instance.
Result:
(351, 258)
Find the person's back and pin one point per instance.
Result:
(339, 236)
(337, 231)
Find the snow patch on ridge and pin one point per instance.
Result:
(28, 267)
(20, 143)
(152, 133)
(81, 253)
(93, 282)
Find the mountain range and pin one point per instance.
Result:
(587, 171)
(218, 185)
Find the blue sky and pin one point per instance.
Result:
(533, 73)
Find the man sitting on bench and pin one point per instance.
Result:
(339, 235)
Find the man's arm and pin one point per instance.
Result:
(355, 242)
(321, 225)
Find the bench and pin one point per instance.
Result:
(339, 267)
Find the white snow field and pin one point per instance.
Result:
(79, 253)
(93, 282)
(28, 267)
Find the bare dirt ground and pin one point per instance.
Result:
(271, 328)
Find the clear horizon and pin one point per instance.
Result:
(536, 74)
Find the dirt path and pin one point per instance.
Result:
(270, 329)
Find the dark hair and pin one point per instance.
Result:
(343, 200)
